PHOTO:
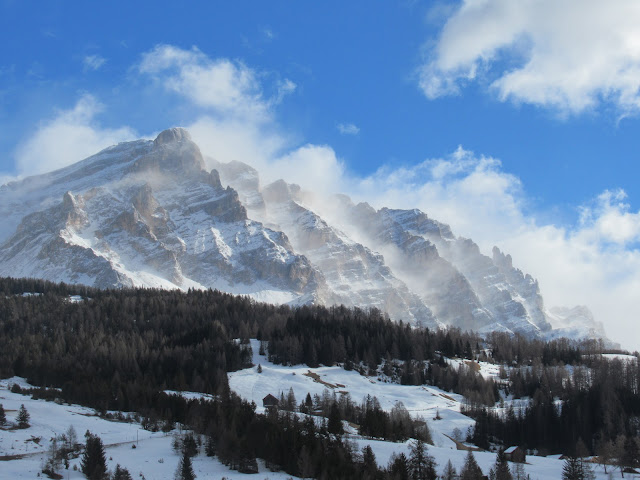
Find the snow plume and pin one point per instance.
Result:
(594, 262)
(68, 137)
(234, 104)
(570, 55)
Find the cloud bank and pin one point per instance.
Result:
(570, 55)
(68, 137)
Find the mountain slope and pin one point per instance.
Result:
(148, 213)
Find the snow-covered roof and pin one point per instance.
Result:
(510, 450)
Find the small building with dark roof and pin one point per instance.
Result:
(270, 401)
(515, 454)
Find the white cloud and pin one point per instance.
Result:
(221, 85)
(569, 55)
(236, 117)
(268, 33)
(348, 129)
(229, 139)
(67, 138)
(93, 62)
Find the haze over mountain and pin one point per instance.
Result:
(148, 213)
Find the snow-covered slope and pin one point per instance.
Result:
(401, 261)
(23, 452)
(148, 213)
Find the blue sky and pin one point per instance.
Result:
(516, 122)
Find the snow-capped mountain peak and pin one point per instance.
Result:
(150, 213)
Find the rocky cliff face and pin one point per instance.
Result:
(148, 213)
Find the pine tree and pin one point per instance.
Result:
(185, 469)
(3, 416)
(422, 466)
(211, 446)
(572, 469)
(369, 465)
(470, 470)
(335, 421)
(398, 467)
(94, 463)
(121, 474)
(189, 445)
(501, 467)
(305, 463)
(23, 417)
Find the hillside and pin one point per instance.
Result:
(132, 350)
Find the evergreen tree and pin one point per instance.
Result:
(189, 445)
(471, 470)
(399, 467)
(369, 465)
(305, 463)
(572, 469)
(334, 424)
(23, 417)
(3, 416)
(290, 401)
(422, 466)
(121, 474)
(211, 446)
(94, 463)
(501, 467)
(185, 469)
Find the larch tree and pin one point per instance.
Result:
(449, 472)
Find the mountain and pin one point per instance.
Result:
(149, 213)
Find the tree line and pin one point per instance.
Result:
(121, 349)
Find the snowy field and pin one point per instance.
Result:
(425, 401)
(422, 401)
(22, 457)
